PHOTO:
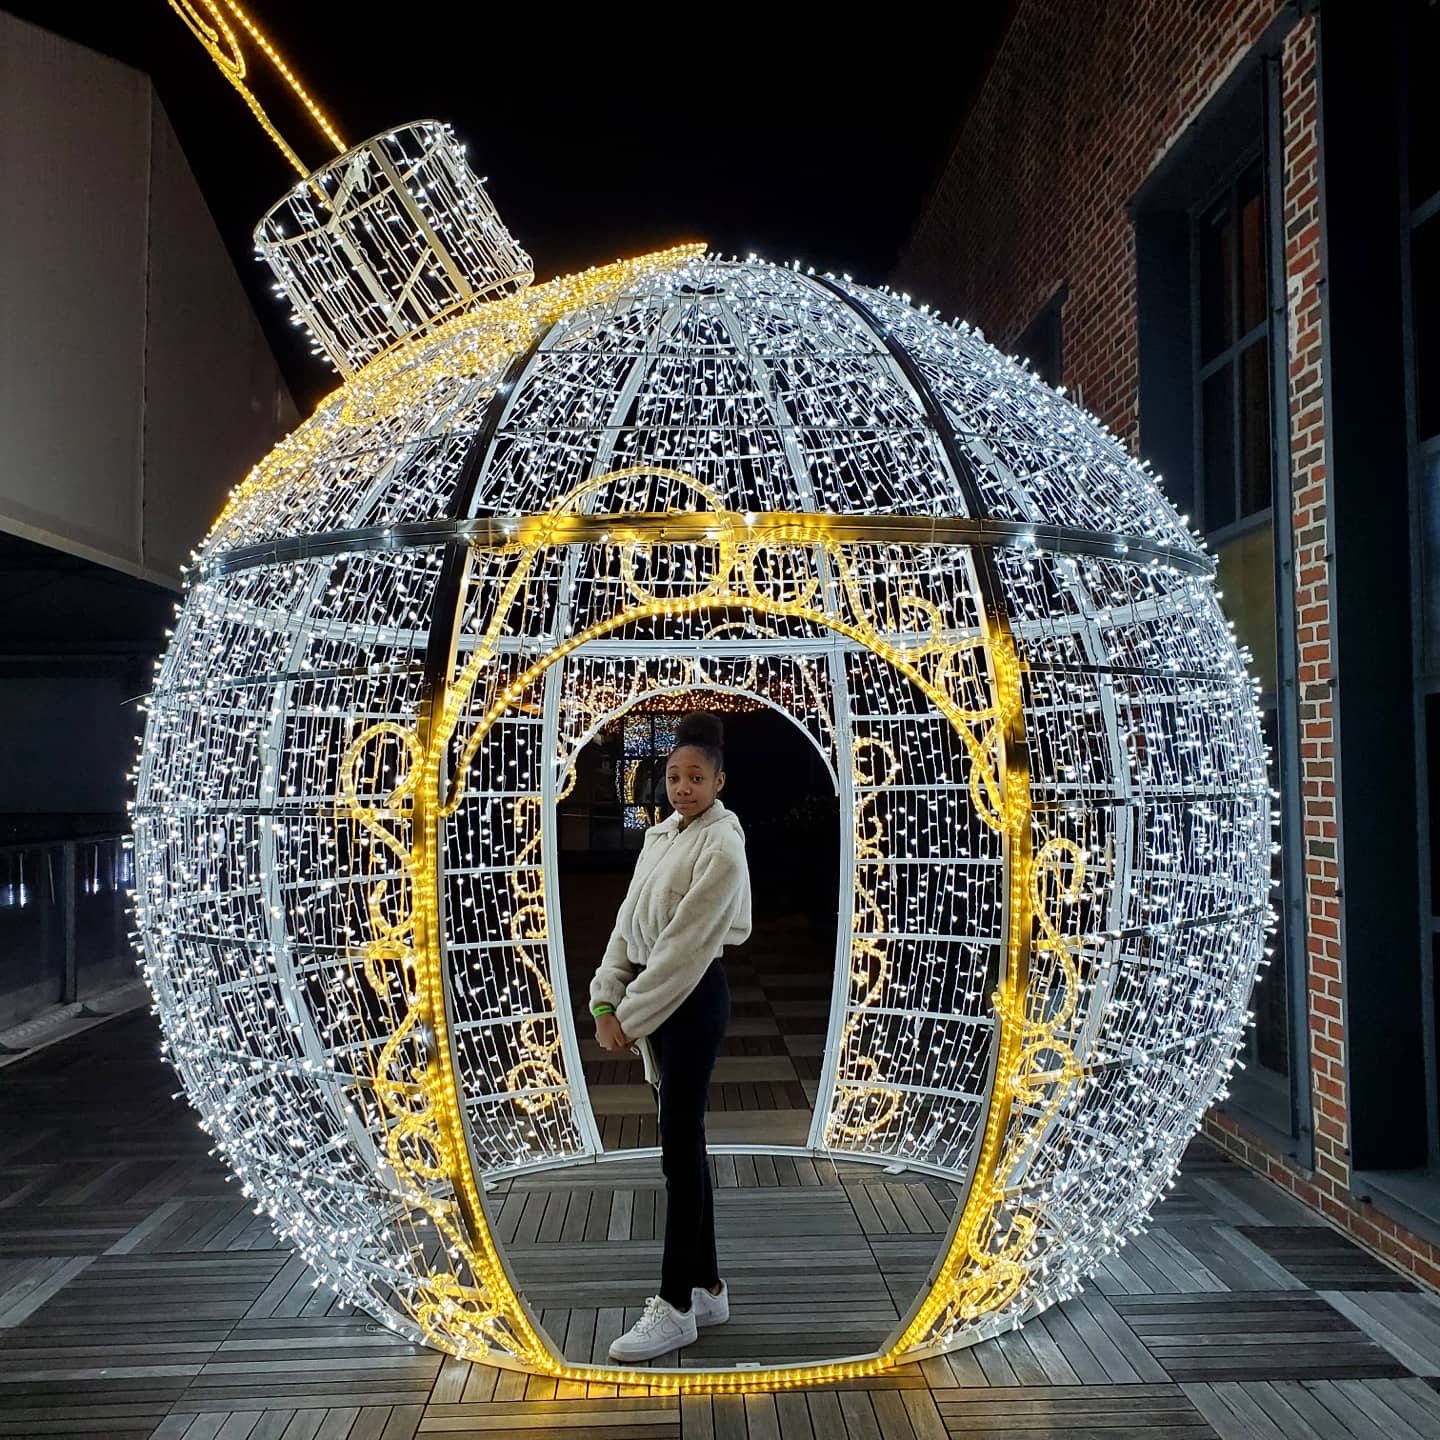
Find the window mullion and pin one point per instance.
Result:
(1237, 420)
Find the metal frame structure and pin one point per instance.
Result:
(670, 474)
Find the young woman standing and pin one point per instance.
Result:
(661, 980)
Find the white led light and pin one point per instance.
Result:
(1056, 874)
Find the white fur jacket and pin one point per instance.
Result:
(688, 898)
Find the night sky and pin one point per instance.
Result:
(753, 129)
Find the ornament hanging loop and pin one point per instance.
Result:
(210, 23)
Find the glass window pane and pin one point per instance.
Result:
(1425, 318)
(1427, 504)
(1255, 429)
(1217, 439)
(1423, 53)
(1039, 343)
(29, 911)
(1432, 757)
(1251, 205)
(1246, 576)
(1217, 280)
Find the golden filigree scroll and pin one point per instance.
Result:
(864, 1105)
(974, 684)
(997, 1240)
(410, 1078)
(539, 1037)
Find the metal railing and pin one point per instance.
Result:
(64, 922)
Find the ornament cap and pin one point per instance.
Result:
(380, 243)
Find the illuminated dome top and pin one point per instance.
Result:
(773, 389)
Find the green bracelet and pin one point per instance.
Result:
(598, 1010)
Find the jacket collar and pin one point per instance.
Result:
(671, 823)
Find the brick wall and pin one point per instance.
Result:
(1080, 104)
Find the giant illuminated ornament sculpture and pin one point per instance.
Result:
(530, 506)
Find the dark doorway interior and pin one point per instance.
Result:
(822, 1255)
(780, 980)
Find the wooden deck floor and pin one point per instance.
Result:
(141, 1297)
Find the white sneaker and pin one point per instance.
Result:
(710, 1309)
(660, 1329)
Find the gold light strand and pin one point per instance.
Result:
(529, 925)
(1127, 905)
(978, 1275)
(473, 344)
(230, 58)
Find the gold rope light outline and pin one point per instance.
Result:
(206, 20)
(995, 1272)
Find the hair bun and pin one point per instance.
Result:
(701, 727)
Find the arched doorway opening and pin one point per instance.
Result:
(823, 1254)
(782, 979)
(909, 716)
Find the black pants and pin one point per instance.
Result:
(685, 1049)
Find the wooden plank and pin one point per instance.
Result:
(1233, 1415)
(923, 1414)
(403, 1423)
(1401, 1339)
(369, 1423)
(696, 1419)
(172, 1427)
(622, 1204)
(859, 1415)
(573, 1231)
(142, 1230)
(1413, 1400)
(825, 1417)
(1391, 1408)
(793, 1413)
(272, 1424)
(25, 1299)
(337, 1424)
(910, 1213)
(1054, 1367)
(480, 1384)
(450, 1383)
(1324, 1259)
(1026, 1369)
(1324, 1414)
(303, 1424)
(553, 1220)
(1137, 1359)
(1078, 1356)
(1100, 1410)
(207, 1427)
(728, 1416)
(762, 1421)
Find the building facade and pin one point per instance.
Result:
(1217, 223)
(136, 388)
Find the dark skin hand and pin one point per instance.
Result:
(610, 1035)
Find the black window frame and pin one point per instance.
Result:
(1042, 341)
(1423, 452)
(1229, 356)
(1243, 121)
